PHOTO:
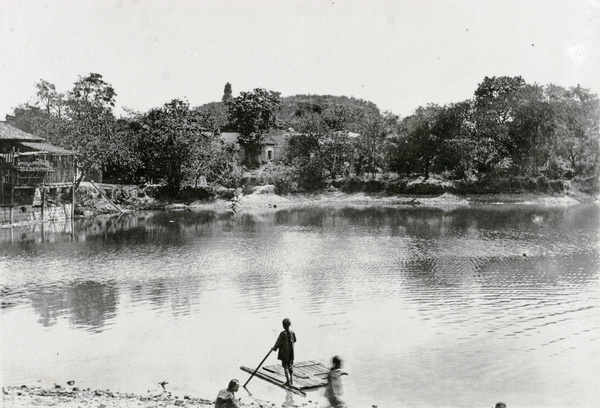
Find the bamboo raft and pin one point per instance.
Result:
(308, 375)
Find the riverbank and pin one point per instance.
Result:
(269, 200)
(73, 397)
(90, 203)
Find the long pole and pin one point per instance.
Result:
(43, 198)
(73, 166)
(261, 363)
(105, 197)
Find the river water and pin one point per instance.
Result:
(427, 308)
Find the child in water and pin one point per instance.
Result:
(334, 384)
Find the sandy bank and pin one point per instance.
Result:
(263, 198)
(268, 200)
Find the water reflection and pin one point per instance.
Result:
(88, 305)
(468, 294)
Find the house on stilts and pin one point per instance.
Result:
(36, 178)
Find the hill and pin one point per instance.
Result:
(293, 107)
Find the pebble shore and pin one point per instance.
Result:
(73, 397)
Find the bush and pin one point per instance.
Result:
(353, 185)
(590, 185)
(309, 175)
(225, 193)
(557, 186)
(373, 186)
(191, 194)
(425, 188)
(395, 187)
(285, 185)
(542, 184)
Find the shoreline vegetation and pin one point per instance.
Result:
(510, 142)
(90, 202)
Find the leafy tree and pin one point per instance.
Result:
(172, 139)
(336, 145)
(531, 133)
(453, 127)
(90, 125)
(217, 114)
(51, 101)
(253, 114)
(81, 121)
(420, 142)
(576, 114)
(493, 113)
(125, 167)
(372, 144)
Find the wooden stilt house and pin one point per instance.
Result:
(32, 172)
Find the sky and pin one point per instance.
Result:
(397, 54)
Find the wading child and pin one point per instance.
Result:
(285, 344)
(333, 391)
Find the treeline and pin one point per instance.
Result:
(508, 130)
(173, 145)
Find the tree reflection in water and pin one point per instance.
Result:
(87, 305)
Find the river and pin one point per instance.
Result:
(426, 307)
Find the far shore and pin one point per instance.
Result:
(268, 200)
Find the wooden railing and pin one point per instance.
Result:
(16, 172)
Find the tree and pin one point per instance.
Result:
(335, 142)
(370, 148)
(226, 92)
(576, 114)
(531, 133)
(50, 100)
(81, 121)
(493, 113)
(91, 92)
(217, 112)
(420, 143)
(168, 136)
(252, 114)
(453, 127)
(90, 125)
(178, 145)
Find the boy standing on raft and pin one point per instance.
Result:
(285, 344)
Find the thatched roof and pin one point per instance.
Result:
(47, 148)
(8, 132)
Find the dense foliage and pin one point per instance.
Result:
(253, 114)
(509, 130)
